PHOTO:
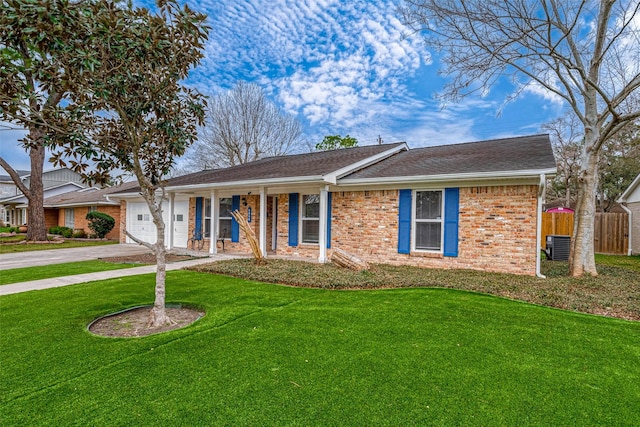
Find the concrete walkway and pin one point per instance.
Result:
(60, 256)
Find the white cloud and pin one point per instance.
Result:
(335, 63)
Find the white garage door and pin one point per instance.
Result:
(140, 223)
(180, 223)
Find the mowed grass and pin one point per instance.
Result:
(6, 248)
(16, 275)
(275, 355)
(614, 292)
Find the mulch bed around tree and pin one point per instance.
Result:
(133, 322)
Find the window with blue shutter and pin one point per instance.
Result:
(235, 227)
(404, 222)
(197, 231)
(329, 221)
(293, 219)
(451, 209)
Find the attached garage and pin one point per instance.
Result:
(140, 223)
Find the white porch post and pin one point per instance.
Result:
(322, 238)
(263, 221)
(213, 232)
(170, 228)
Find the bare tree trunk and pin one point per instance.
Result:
(158, 315)
(582, 259)
(37, 230)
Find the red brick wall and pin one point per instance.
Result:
(497, 229)
(81, 223)
(50, 217)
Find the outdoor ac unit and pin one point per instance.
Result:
(558, 248)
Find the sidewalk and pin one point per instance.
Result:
(55, 282)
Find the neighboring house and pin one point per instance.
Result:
(8, 189)
(473, 206)
(630, 202)
(13, 204)
(70, 209)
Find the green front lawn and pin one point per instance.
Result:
(26, 274)
(275, 355)
(6, 248)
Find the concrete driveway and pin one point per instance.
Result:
(60, 256)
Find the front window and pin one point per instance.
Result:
(207, 218)
(428, 220)
(224, 218)
(310, 218)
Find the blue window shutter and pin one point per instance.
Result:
(235, 227)
(197, 231)
(329, 221)
(293, 219)
(451, 208)
(404, 222)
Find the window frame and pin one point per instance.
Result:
(415, 221)
(228, 218)
(206, 219)
(303, 218)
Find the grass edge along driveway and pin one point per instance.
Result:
(26, 274)
(274, 355)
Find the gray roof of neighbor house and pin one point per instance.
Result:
(4, 177)
(527, 153)
(88, 196)
(297, 165)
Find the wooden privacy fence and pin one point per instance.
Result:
(611, 234)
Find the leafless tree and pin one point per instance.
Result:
(566, 136)
(584, 52)
(242, 126)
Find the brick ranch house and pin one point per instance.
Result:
(470, 206)
(70, 209)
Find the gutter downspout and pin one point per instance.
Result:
(541, 190)
(628, 211)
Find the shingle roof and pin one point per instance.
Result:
(87, 195)
(6, 178)
(297, 165)
(498, 155)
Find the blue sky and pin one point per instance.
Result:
(345, 67)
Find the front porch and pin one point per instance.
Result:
(288, 225)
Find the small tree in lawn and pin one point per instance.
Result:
(100, 223)
(145, 117)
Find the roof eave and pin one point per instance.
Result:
(247, 183)
(630, 189)
(531, 173)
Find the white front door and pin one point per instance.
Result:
(180, 223)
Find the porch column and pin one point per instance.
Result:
(213, 229)
(263, 221)
(322, 238)
(170, 230)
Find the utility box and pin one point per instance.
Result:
(558, 247)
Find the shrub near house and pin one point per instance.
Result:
(100, 223)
